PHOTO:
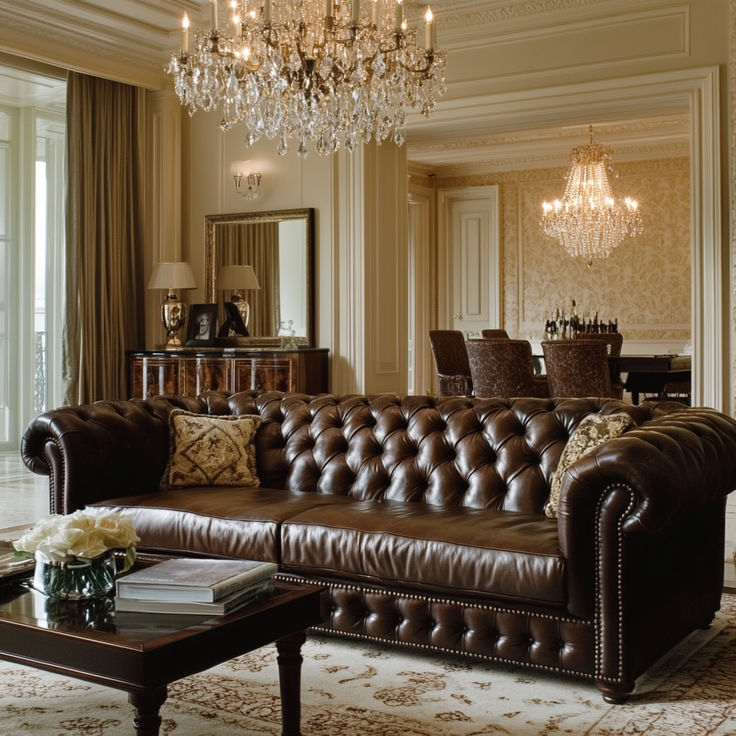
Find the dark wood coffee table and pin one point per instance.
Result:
(142, 653)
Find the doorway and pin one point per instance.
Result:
(470, 238)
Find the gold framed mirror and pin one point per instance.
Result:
(279, 245)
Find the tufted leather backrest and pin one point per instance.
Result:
(451, 451)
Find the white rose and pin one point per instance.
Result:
(117, 530)
(84, 533)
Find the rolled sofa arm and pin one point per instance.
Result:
(100, 450)
(652, 477)
(675, 463)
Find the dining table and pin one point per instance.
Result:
(649, 374)
(645, 374)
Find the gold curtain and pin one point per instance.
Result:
(104, 235)
(255, 244)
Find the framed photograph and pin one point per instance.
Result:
(201, 325)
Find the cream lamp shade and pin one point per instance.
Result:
(171, 276)
(237, 278)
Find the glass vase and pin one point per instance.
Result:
(75, 578)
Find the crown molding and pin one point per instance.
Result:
(479, 163)
(128, 41)
(486, 19)
(632, 140)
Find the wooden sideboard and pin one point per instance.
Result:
(192, 371)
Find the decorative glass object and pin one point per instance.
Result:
(287, 334)
(75, 578)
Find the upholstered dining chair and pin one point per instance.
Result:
(504, 368)
(614, 342)
(451, 363)
(494, 334)
(578, 368)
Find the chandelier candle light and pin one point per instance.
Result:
(589, 222)
(327, 72)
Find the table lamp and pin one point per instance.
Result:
(238, 279)
(172, 276)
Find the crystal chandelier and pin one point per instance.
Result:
(588, 222)
(328, 73)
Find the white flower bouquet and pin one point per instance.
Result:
(86, 533)
(74, 552)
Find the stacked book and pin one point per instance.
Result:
(194, 586)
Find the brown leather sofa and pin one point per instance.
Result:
(424, 518)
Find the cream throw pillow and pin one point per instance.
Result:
(209, 450)
(593, 430)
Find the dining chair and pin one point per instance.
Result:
(494, 334)
(451, 363)
(578, 368)
(504, 368)
(614, 342)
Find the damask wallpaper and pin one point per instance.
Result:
(645, 283)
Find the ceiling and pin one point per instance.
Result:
(130, 40)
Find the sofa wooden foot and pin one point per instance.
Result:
(615, 694)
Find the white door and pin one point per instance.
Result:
(472, 257)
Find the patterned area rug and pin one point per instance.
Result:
(352, 689)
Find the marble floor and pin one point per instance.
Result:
(23, 494)
(24, 498)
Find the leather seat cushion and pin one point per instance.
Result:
(484, 553)
(217, 522)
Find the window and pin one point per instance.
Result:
(32, 187)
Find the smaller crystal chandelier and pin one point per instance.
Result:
(588, 222)
(327, 72)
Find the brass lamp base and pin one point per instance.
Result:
(243, 308)
(238, 315)
(172, 317)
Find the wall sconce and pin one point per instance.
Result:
(248, 186)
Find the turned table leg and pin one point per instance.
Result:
(147, 720)
(290, 665)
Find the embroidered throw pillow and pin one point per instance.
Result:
(209, 450)
(593, 430)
